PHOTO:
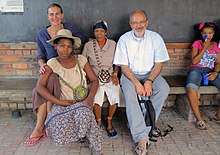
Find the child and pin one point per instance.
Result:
(205, 59)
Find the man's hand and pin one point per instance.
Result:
(148, 88)
(140, 89)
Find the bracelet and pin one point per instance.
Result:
(150, 80)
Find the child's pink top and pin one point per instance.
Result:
(209, 57)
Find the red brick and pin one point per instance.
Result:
(174, 57)
(6, 66)
(10, 59)
(34, 52)
(9, 52)
(182, 50)
(7, 72)
(170, 51)
(18, 52)
(26, 52)
(20, 65)
(24, 72)
(2, 52)
(34, 66)
(185, 57)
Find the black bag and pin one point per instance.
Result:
(150, 117)
(148, 112)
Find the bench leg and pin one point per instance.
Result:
(184, 108)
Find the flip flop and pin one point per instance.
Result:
(112, 133)
(201, 125)
(31, 141)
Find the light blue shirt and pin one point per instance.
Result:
(140, 54)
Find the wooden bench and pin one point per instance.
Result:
(17, 93)
(177, 87)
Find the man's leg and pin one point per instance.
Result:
(135, 117)
(160, 92)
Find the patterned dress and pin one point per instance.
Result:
(67, 124)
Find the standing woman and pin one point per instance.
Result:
(100, 52)
(47, 51)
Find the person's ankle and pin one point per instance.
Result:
(217, 115)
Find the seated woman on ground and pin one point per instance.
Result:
(71, 117)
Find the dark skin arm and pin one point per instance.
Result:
(196, 56)
(146, 89)
(114, 76)
(94, 83)
(42, 90)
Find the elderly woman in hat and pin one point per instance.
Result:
(100, 52)
(71, 117)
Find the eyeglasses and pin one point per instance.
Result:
(135, 23)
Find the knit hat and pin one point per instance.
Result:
(100, 24)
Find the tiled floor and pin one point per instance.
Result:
(185, 139)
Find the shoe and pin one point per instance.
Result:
(31, 141)
(112, 133)
(201, 125)
(156, 132)
(140, 150)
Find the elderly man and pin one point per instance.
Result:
(141, 54)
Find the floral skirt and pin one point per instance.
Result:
(67, 124)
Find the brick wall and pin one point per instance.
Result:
(19, 59)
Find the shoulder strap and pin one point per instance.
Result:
(97, 56)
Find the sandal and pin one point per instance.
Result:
(156, 132)
(82, 141)
(201, 125)
(31, 141)
(140, 150)
(112, 133)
